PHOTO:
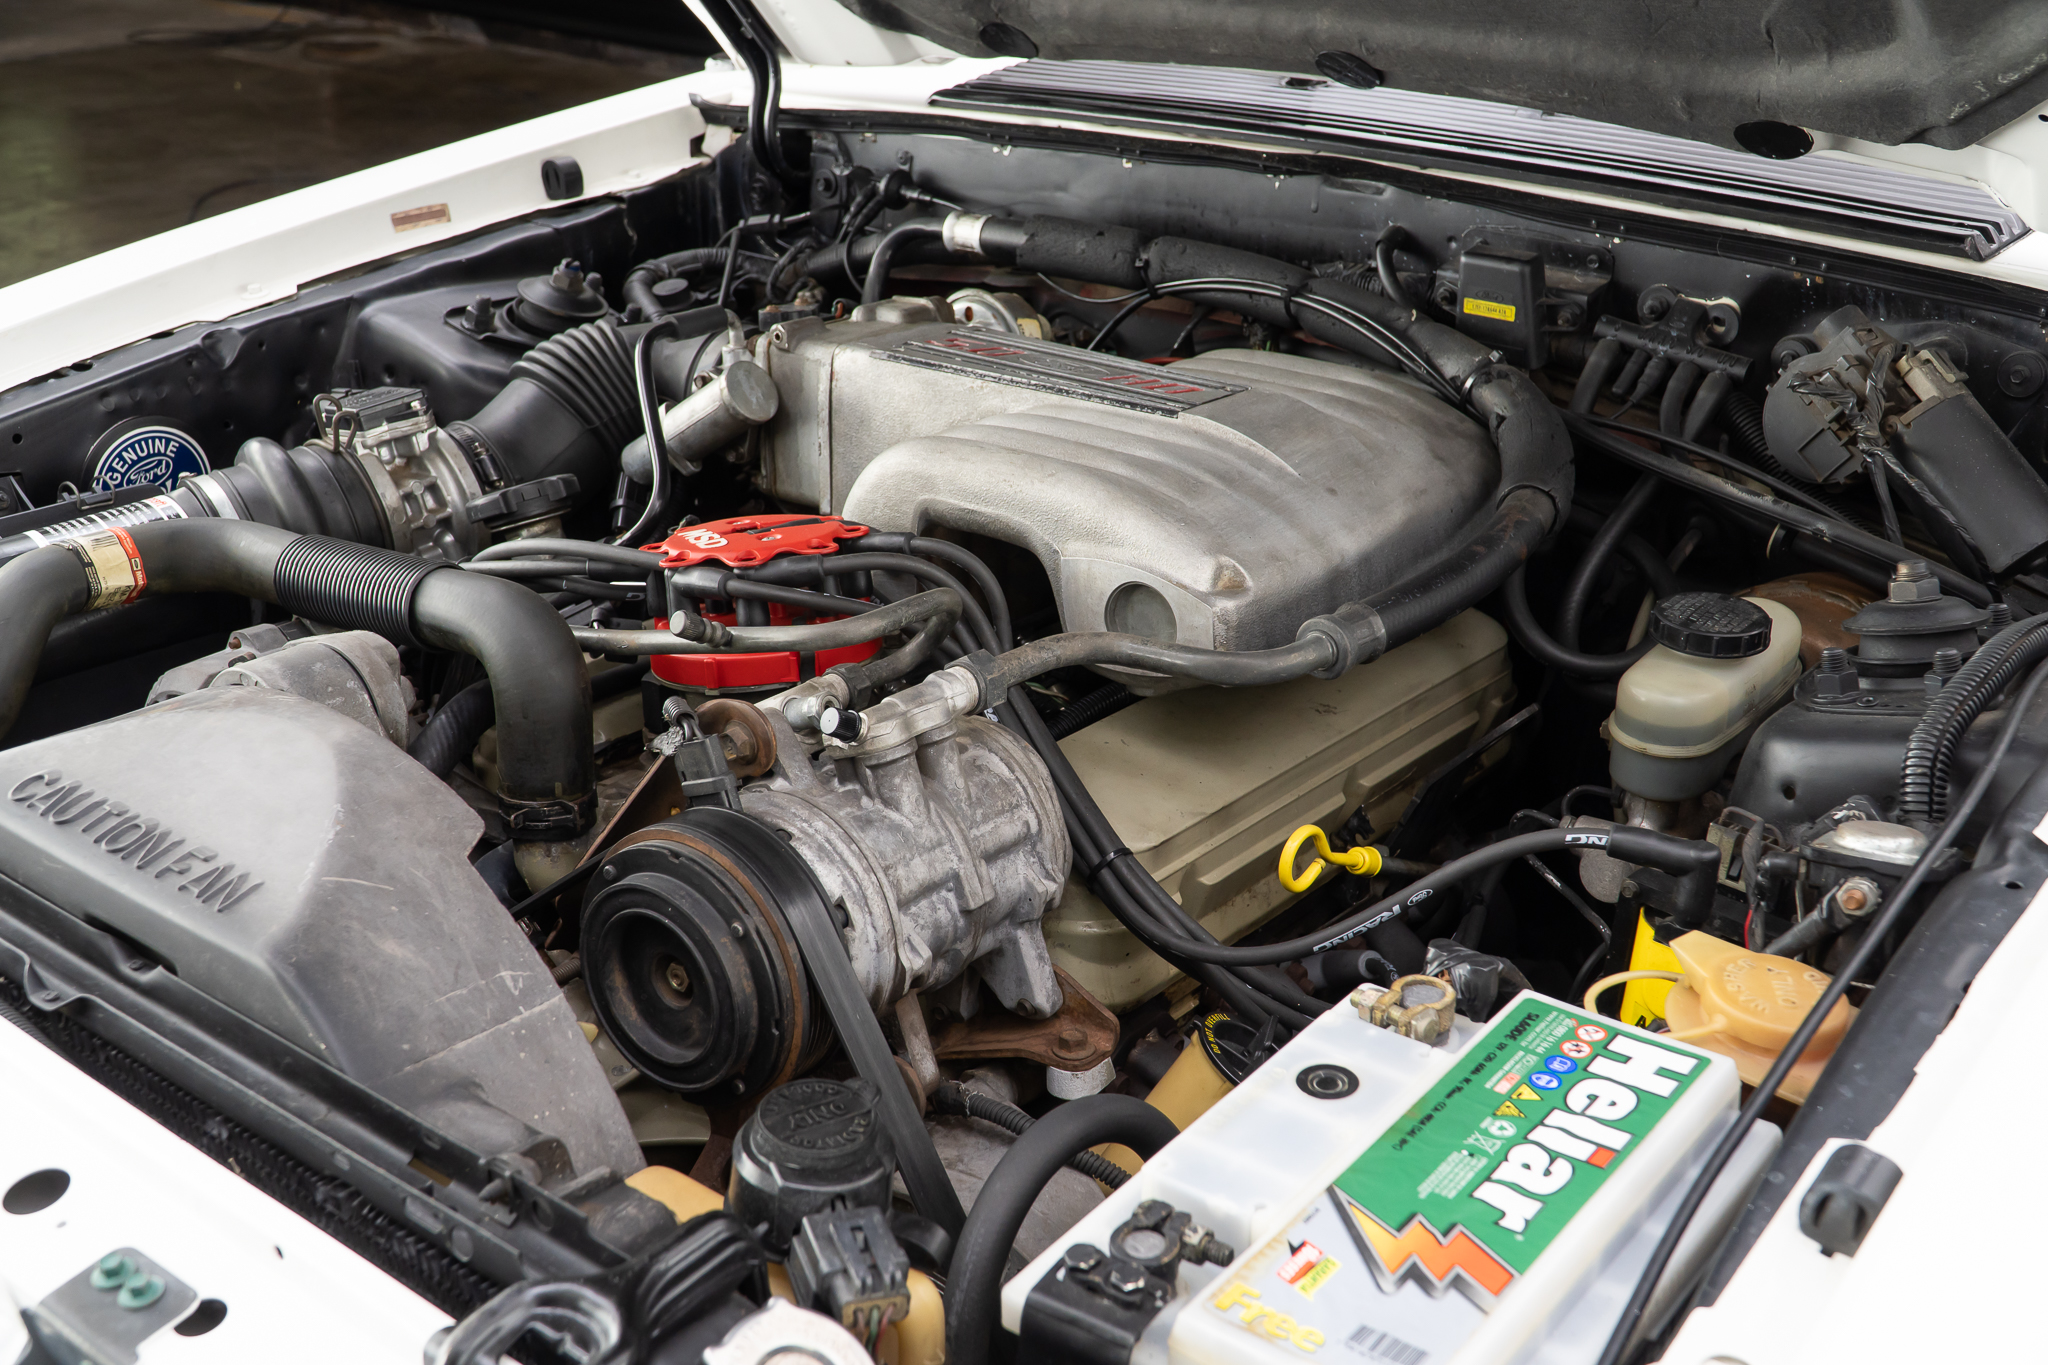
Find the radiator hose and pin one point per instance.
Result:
(974, 1281)
(539, 687)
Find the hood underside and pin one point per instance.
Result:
(1943, 72)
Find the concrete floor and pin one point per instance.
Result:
(124, 118)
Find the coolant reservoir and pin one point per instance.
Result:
(1745, 1005)
(1720, 665)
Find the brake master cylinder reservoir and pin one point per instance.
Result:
(1720, 665)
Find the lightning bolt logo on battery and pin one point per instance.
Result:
(1420, 1253)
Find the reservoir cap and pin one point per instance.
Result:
(1711, 625)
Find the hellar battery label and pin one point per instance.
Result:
(1461, 1195)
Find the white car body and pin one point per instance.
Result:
(1933, 1258)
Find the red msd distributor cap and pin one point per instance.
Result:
(741, 544)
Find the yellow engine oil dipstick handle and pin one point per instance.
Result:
(1364, 861)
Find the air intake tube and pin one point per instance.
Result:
(568, 409)
(537, 676)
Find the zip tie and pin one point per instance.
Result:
(1096, 871)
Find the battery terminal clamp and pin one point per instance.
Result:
(1363, 861)
(1159, 1237)
(1418, 1007)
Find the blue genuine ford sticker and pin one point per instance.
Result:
(144, 451)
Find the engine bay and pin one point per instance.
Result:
(714, 699)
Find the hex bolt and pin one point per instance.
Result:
(1857, 897)
(1081, 1256)
(1947, 660)
(1126, 1279)
(111, 1271)
(1835, 678)
(1913, 580)
(139, 1291)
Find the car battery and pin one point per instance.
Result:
(1492, 1197)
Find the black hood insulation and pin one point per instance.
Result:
(1740, 73)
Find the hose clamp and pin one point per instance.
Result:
(1479, 372)
(546, 821)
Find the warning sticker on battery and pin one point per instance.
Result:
(1462, 1194)
(1064, 370)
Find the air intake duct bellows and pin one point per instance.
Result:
(568, 409)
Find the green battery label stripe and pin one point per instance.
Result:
(1470, 1186)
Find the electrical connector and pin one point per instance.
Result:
(846, 1264)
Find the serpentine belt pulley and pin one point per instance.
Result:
(708, 945)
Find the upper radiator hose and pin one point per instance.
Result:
(538, 681)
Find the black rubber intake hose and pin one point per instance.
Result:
(638, 286)
(451, 735)
(569, 408)
(538, 682)
(954, 1098)
(37, 590)
(308, 489)
(1128, 259)
(1931, 749)
(974, 1282)
(884, 259)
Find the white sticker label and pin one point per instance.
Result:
(156, 508)
(113, 569)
